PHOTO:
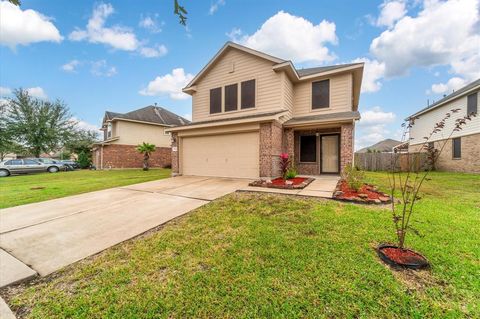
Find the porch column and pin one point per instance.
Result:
(346, 145)
(270, 149)
(175, 155)
(288, 143)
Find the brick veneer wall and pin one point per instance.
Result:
(271, 142)
(126, 156)
(175, 155)
(470, 155)
(346, 145)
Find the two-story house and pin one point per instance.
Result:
(122, 132)
(248, 107)
(461, 152)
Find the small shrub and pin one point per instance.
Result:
(354, 177)
(83, 160)
(291, 173)
(284, 164)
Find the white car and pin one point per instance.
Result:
(25, 166)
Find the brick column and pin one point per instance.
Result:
(175, 156)
(346, 145)
(289, 143)
(270, 149)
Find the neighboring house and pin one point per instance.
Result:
(123, 132)
(385, 146)
(249, 107)
(462, 150)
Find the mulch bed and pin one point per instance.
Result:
(292, 183)
(367, 194)
(397, 257)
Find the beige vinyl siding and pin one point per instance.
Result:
(287, 95)
(132, 133)
(340, 96)
(246, 67)
(425, 123)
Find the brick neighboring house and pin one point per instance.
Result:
(248, 107)
(123, 132)
(462, 150)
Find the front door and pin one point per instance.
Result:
(330, 153)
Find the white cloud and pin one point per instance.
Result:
(153, 52)
(3, 103)
(85, 125)
(71, 66)
(25, 27)
(5, 91)
(391, 12)
(373, 127)
(372, 73)
(151, 24)
(453, 84)
(291, 37)
(170, 84)
(443, 33)
(37, 92)
(187, 116)
(101, 68)
(215, 6)
(117, 37)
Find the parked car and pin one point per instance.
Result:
(25, 166)
(72, 164)
(49, 161)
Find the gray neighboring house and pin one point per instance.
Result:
(385, 146)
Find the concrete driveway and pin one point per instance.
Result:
(44, 237)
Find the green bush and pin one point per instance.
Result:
(291, 173)
(83, 160)
(354, 177)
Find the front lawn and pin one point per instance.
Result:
(25, 189)
(250, 255)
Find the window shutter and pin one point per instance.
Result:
(472, 103)
(248, 94)
(321, 94)
(215, 100)
(231, 97)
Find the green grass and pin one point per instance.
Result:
(25, 189)
(249, 256)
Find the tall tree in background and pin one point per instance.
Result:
(81, 141)
(7, 143)
(39, 126)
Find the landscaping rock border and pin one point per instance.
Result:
(266, 184)
(362, 198)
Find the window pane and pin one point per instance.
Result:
(248, 94)
(321, 94)
(29, 162)
(231, 97)
(457, 147)
(308, 148)
(215, 100)
(472, 103)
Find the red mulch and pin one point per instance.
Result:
(402, 256)
(365, 189)
(280, 182)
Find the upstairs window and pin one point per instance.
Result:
(472, 103)
(457, 148)
(321, 94)
(216, 100)
(231, 97)
(109, 130)
(248, 94)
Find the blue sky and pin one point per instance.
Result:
(118, 56)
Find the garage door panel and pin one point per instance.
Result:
(228, 155)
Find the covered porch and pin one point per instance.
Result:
(320, 149)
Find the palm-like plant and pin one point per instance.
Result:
(146, 149)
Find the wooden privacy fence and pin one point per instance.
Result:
(383, 161)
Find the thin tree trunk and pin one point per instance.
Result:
(145, 162)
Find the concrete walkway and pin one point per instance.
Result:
(47, 236)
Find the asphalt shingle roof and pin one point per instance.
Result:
(151, 114)
(450, 96)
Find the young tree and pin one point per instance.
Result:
(146, 149)
(40, 126)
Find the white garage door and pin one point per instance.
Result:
(226, 155)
